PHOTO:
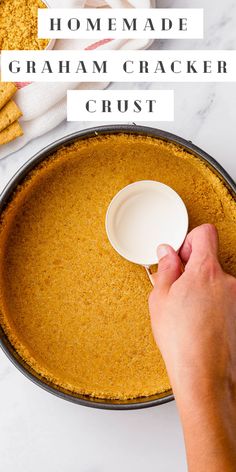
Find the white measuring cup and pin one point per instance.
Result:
(142, 216)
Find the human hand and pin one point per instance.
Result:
(193, 316)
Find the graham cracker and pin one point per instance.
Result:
(7, 90)
(8, 114)
(10, 133)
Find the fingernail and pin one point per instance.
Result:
(162, 251)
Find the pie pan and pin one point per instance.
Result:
(5, 198)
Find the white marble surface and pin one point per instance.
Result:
(40, 432)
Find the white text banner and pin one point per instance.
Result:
(120, 105)
(120, 23)
(118, 66)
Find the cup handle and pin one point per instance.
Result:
(148, 270)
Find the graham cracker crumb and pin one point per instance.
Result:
(19, 26)
(71, 306)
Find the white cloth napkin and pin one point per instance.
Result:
(44, 104)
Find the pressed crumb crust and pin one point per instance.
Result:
(73, 308)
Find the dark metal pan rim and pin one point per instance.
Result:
(4, 198)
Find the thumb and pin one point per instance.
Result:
(169, 267)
